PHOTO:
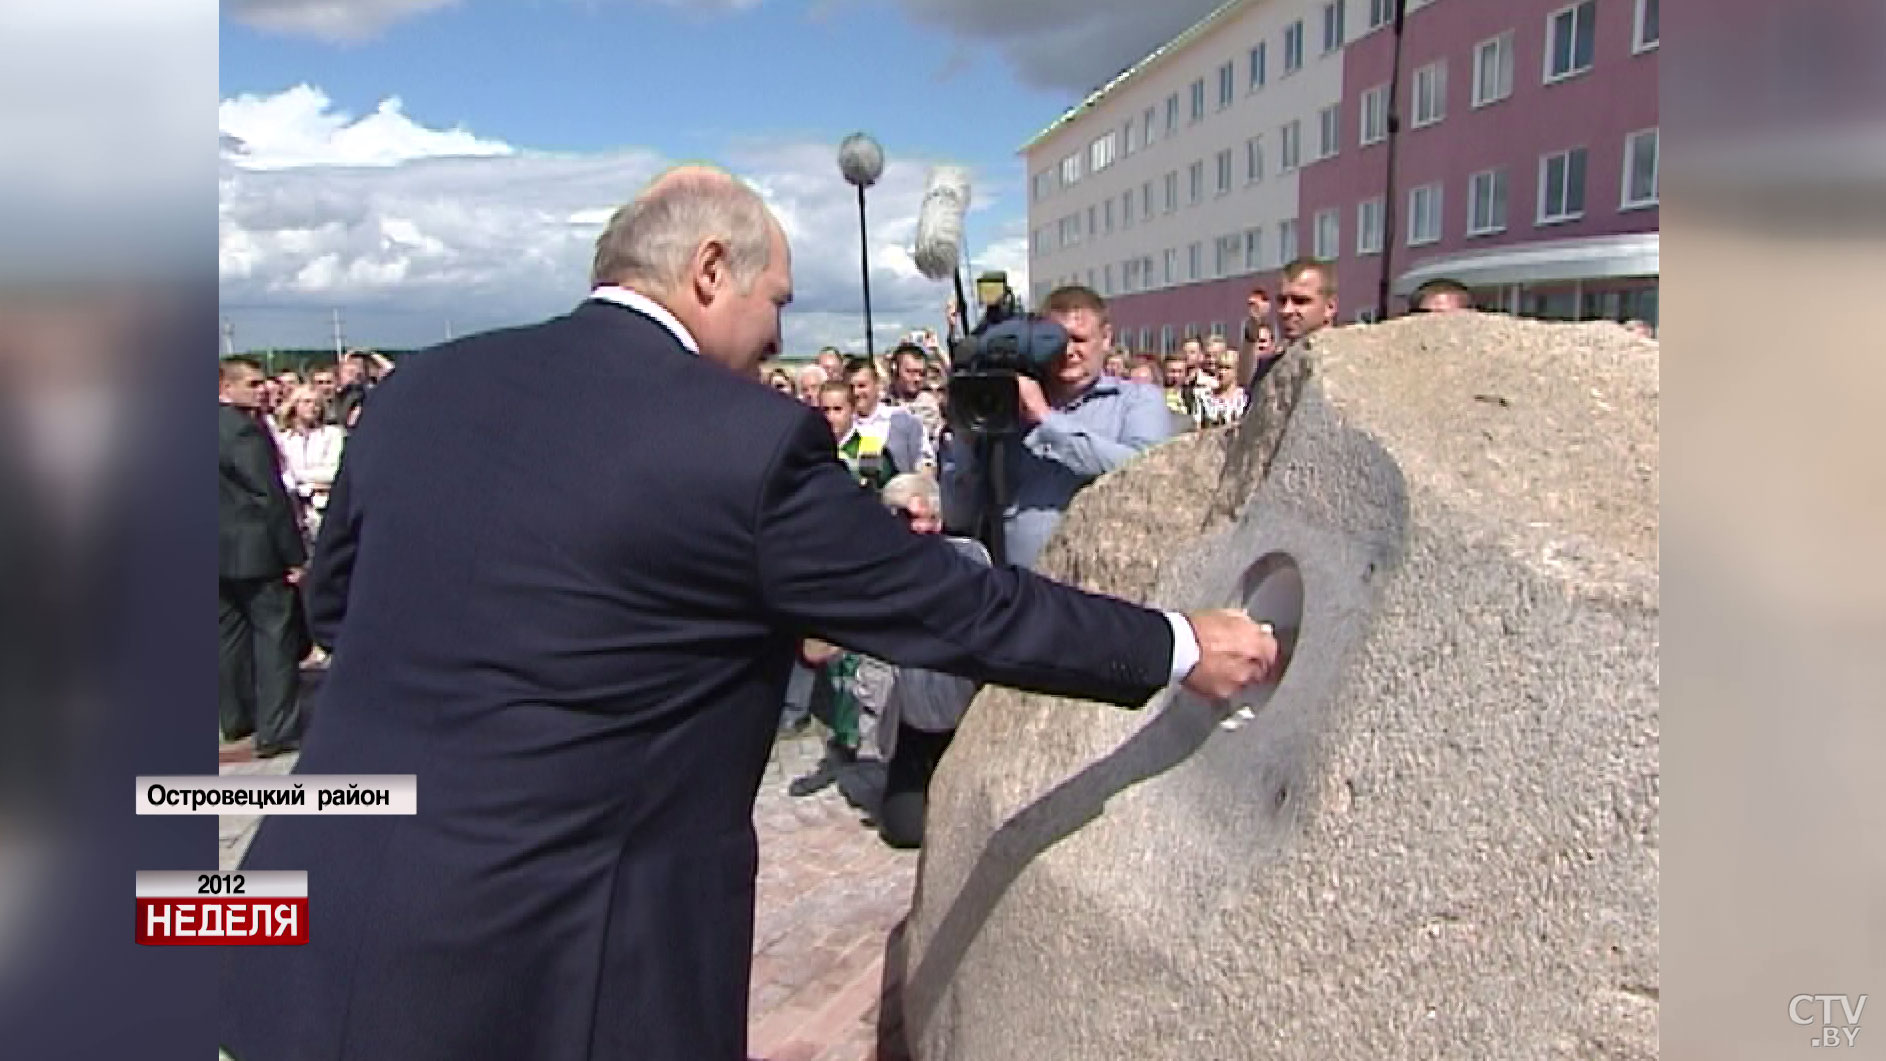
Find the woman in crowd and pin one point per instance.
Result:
(311, 453)
(1224, 401)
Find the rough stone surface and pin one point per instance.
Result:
(1438, 836)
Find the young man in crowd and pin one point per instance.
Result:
(895, 431)
(862, 453)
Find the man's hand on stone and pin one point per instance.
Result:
(1234, 653)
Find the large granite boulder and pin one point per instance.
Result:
(1436, 837)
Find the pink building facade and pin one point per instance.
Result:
(1526, 163)
(1526, 166)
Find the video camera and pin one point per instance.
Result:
(984, 400)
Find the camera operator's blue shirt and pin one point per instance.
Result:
(1100, 429)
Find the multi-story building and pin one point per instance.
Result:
(1259, 135)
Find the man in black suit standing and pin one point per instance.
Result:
(576, 631)
(259, 560)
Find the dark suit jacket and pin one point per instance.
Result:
(569, 606)
(257, 534)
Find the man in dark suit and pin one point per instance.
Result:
(576, 631)
(259, 560)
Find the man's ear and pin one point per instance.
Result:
(708, 269)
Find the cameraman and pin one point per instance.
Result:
(1078, 423)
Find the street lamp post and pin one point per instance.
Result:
(861, 161)
(1392, 121)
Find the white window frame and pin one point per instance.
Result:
(1253, 249)
(1288, 242)
(1293, 59)
(1326, 235)
(1127, 209)
(1227, 84)
(1290, 153)
(1381, 13)
(1165, 338)
(1254, 159)
(1224, 163)
(1101, 153)
(1172, 114)
(1432, 233)
(1195, 260)
(1106, 215)
(1371, 215)
(1495, 178)
(1625, 202)
(1195, 183)
(1197, 92)
(1106, 279)
(1227, 252)
(1171, 262)
(1335, 29)
(1133, 143)
(1259, 58)
(1172, 191)
(1540, 216)
(1436, 75)
(1503, 70)
(1551, 26)
(1374, 103)
(1638, 44)
(1328, 131)
(1071, 170)
(1146, 201)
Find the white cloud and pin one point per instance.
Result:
(406, 227)
(330, 20)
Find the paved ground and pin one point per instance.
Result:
(829, 891)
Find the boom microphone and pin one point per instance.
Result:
(940, 222)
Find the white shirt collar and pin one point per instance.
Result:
(647, 307)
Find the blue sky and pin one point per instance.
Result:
(432, 165)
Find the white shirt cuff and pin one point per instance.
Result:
(1184, 647)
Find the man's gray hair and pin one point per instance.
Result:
(649, 242)
(903, 488)
(810, 376)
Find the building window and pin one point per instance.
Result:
(1044, 183)
(1132, 138)
(1646, 33)
(1070, 170)
(1374, 115)
(1106, 215)
(1328, 234)
(1229, 252)
(1172, 265)
(1562, 186)
(1253, 249)
(1332, 25)
(1287, 240)
(1195, 181)
(1640, 170)
(1091, 285)
(1254, 160)
(1126, 209)
(1330, 140)
(1106, 280)
(1146, 201)
(1430, 94)
(1486, 202)
(1128, 269)
(1101, 154)
(1570, 38)
(1224, 171)
(1292, 135)
(1093, 221)
(1172, 114)
(1198, 99)
(1381, 13)
(1493, 70)
(1257, 58)
(1148, 134)
(1172, 191)
(1227, 85)
(1146, 271)
(1293, 47)
(1194, 260)
(1369, 226)
(1165, 338)
(1424, 215)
